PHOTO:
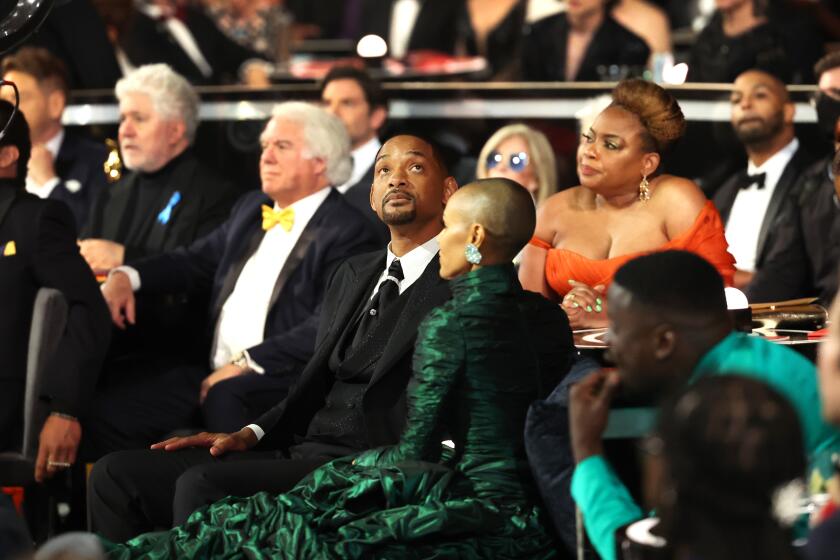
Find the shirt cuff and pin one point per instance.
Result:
(131, 272)
(252, 365)
(257, 431)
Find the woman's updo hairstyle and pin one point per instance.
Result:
(656, 109)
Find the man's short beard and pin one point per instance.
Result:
(392, 218)
(766, 132)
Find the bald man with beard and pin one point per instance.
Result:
(751, 201)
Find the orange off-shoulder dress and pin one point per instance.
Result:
(705, 237)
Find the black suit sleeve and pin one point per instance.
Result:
(785, 272)
(294, 346)
(72, 371)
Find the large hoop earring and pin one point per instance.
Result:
(644, 189)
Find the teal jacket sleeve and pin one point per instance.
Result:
(604, 502)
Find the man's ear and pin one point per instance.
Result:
(56, 101)
(177, 131)
(789, 112)
(450, 185)
(8, 156)
(665, 341)
(377, 118)
(320, 166)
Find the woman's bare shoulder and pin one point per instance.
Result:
(680, 201)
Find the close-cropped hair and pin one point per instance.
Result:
(325, 136)
(539, 151)
(47, 69)
(172, 96)
(826, 63)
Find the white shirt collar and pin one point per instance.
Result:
(363, 157)
(777, 162)
(413, 263)
(306, 207)
(54, 144)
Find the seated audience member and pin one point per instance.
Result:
(168, 199)
(580, 45)
(76, 33)
(38, 250)
(751, 201)
(648, 21)
(412, 25)
(717, 470)
(248, 22)
(117, 16)
(522, 154)
(669, 326)
(824, 540)
(268, 268)
(744, 34)
(181, 35)
(350, 396)
(494, 30)
(623, 208)
(802, 252)
(64, 165)
(356, 98)
(486, 354)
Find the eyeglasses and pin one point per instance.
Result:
(517, 161)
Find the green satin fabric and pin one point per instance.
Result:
(475, 372)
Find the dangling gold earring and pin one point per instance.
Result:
(644, 190)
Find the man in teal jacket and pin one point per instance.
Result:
(669, 326)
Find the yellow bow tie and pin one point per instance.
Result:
(272, 217)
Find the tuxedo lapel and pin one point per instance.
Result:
(780, 196)
(361, 286)
(115, 222)
(423, 293)
(253, 237)
(725, 197)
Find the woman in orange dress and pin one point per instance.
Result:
(622, 209)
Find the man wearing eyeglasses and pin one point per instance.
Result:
(803, 252)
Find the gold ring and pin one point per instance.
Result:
(59, 464)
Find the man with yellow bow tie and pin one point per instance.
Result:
(266, 267)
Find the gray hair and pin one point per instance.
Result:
(172, 96)
(325, 137)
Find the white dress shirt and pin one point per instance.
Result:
(750, 205)
(413, 263)
(403, 17)
(53, 145)
(363, 157)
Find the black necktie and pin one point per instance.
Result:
(750, 180)
(389, 291)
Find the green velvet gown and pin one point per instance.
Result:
(480, 360)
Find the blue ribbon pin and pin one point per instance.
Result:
(166, 213)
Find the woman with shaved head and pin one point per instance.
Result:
(480, 360)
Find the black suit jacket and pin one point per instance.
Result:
(214, 262)
(359, 197)
(803, 249)
(46, 255)
(436, 26)
(205, 203)
(147, 42)
(725, 197)
(544, 50)
(78, 166)
(384, 399)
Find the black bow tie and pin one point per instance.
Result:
(750, 180)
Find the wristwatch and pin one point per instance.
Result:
(240, 359)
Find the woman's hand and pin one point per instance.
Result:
(586, 306)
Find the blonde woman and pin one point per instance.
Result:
(522, 154)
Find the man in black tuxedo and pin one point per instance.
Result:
(38, 249)
(168, 199)
(64, 165)
(412, 25)
(267, 269)
(354, 97)
(751, 201)
(183, 36)
(350, 396)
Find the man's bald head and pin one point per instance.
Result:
(503, 207)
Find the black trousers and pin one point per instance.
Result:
(236, 402)
(138, 403)
(133, 492)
